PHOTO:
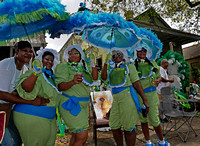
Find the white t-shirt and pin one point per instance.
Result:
(9, 75)
(164, 75)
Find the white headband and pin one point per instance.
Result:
(125, 54)
(148, 55)
(54, 52)
(77, 47)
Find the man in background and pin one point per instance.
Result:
(164, 82)
(165, 79)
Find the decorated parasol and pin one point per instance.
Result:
(111, 37)
(110, 31)
(150, 42)
(22, 18)
(90, 20)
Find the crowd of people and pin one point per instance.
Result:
(32, 95)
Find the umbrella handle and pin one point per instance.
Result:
(111, 38)
(29, 39)
(30, 63)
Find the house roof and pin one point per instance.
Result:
(152, 20)
(191, 52)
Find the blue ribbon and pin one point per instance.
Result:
(77, 131)
(72, 104)
(118, 90)
(150, 89)
(133, 94)
(87, 59)
(121, 65)
(49, 72)
(133, 129)
(40, 111)
(135, 98)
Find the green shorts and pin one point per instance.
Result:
(123, 112)
(153, 115)
(75, 123)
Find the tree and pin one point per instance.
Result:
(192, 4)
(183, 14)
(196, 74)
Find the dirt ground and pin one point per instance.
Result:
(106, 138)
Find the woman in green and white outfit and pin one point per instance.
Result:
(125, 108)
(37, 124)
(74, 79)
(149, 74)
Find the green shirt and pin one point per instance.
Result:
(117, 75)
(144, 70)
(41, 89)
(65, 73)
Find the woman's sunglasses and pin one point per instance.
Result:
(118, 54)
(74, 53)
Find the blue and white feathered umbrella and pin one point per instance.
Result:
(150, 42)
(103, 30)
(21, 18)
(94, 22)
(26, 11)
(111, 37)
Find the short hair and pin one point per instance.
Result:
(22, 44)
(47, 53)
(163, 61)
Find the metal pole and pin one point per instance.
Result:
(29, 39)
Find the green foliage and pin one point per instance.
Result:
(181, 96)
(196, 74)
(179, 11)
(129, 14)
